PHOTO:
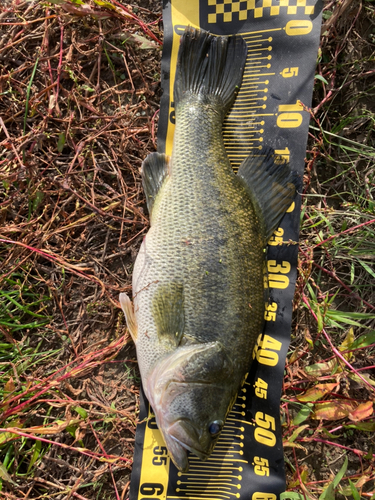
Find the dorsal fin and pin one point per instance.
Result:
(155, 169)
(271, 186)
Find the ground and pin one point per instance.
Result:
(79, 99)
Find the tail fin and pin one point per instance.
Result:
(209, 65)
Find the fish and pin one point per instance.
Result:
(198, 279)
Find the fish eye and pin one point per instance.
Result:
(215, 427)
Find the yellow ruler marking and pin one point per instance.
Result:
(255, 71)
(188, 497)
(206, 494)
(230, 439)
(248, 37)
(240, 421)
(250, 33)
(251, 92)
(226, 454)
(204, 479)
(150, 473)
(242, 134)
(246, 91)
(258, 45)
(245, 105)
(254, 77)
(209, 475)
(224, 459)
(183, 13)
(210, 482)
(241, 114)
(244, 126)
(236, 161)
(246, 136)
(258, 50)
(212, 467)
(253, 59)
(244, 148)
(243, 152)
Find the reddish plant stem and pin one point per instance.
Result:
(85, 362)
(106, 455)
(138, 21)
(83, 451)
(55, 259)
(359, 453)
(334, 276)
(372, 221)
(338, 353)
(27, 23)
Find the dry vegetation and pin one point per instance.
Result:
(79, 97)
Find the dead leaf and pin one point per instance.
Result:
(346, 345)
(8, 389)
(4, 474)
(294, 445)
(366, 376)
(334, 410)
(317, 392)
(52, 429)
(319, 369)
(301, 475)
(362, 411)
(309, 339)
(145, 43)
(295, 355)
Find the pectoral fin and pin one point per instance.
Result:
(271, 186)
(131, 320)
(168, 311)
(154, 171)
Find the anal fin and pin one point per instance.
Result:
(271, 186)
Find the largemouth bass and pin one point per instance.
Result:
(198, 280)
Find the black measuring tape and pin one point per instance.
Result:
(282, 38)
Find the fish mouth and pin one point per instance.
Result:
(180, 438)
(177, 452)
(183, 433)
(200, 454)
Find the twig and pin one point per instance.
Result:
(28, 95)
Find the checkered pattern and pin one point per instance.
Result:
(232, 10)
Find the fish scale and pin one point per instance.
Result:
(205, 234)
(198, 281)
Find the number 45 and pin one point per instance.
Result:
(288, 72)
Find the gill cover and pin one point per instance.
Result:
(191, 392)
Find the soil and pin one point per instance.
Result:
(79, 198)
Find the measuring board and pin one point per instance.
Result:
(282, 38)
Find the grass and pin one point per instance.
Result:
(71, 213)
(330, 383)
(78, 103)
(22, 312)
